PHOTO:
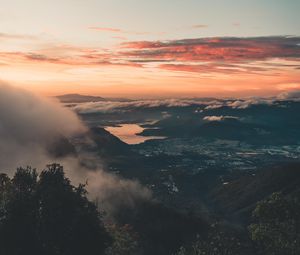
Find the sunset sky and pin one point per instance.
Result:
(157, 48)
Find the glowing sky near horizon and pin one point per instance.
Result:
(138, 48)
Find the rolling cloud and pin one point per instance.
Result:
(28, 123)
(208, 104)
(115, 106)
(240, 103)
(290, 95)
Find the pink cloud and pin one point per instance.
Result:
(223, 49)
(228, 55)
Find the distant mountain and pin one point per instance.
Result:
(77, 98)
(61, 147)
(275, 124)
(108, 144)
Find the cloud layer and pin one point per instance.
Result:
(119, 106)
(208, 104)
(219, 54)
(199, 55)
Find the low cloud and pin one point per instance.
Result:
(115, 193)
(208, 104)
(243, 104)
(290, 95)
(28, 123)
(214, 105)
(240, 103)
(120, 106)
(113, 106)
(111, 192)
(219, 118)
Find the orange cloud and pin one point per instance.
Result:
(223, 65)
(213, 68)
(80, 58)
(204, 55)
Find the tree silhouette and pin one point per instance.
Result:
(45, 214)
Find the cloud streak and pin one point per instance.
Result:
(107, 29)
(7, 36)
(190, 55)
(199, 26)
(268, 56)
(116, 30)
(83, 57)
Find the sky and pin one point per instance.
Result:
(157, 48)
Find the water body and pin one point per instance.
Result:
(128, 133)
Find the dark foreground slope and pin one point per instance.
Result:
(238, 198)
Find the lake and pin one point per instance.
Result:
(128, 133)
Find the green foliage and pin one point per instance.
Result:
(5, 187)
(45, 214)
(277, 225)
(19, 213)
(125, 241)
(275, 231)
(163, 230)
(219, 241)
